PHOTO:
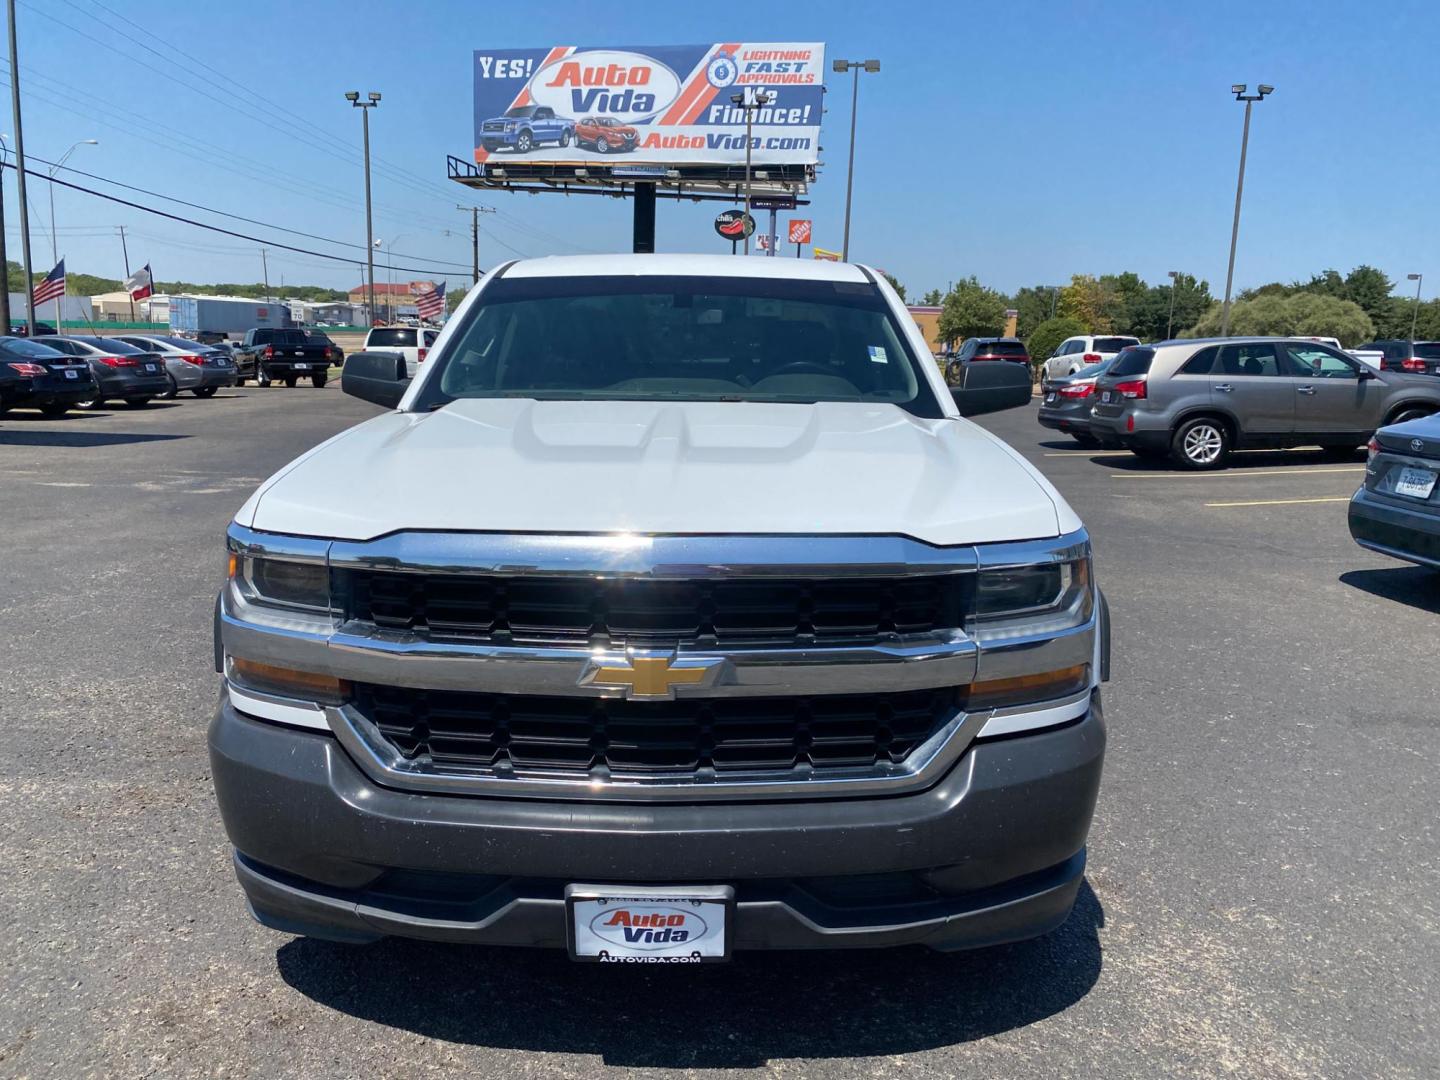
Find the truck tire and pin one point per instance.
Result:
(291, 380)
(564, 138)
(524, 142)
(318, 381)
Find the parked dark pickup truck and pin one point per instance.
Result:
(283, 356)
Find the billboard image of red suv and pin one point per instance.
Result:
(660, 104)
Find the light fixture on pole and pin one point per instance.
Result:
(855, 66)
(1238, 89)
(353, 96)
(390, 275)
(1170, 322)
(750, 99)
(1414, 317)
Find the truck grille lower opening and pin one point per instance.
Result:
(606, 737)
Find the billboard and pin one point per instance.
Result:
(661, 104)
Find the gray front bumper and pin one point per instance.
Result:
(999, 841)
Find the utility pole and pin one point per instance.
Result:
(1249, 99)
(4, 257)
(265, 274)
(843, 66)
(20, 174)
(126, 253)
(750, 99)
(353, 96)
(475, 212)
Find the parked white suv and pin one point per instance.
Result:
(1076, 352)
(674, 609)
(412, 342)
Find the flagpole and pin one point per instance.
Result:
(20, 174)
(126, 252)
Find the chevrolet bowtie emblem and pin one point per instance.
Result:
(649, 676)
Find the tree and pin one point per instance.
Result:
(1049, 334)
(1034, 304)
(933, 298)
(1369, 288)
(1330, 283)
(1089, 301)
(971, 310)
(895, 284)
(1124, 297)
(1307, 314)
(1152, 320)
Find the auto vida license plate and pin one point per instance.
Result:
(633, 925)
(1417, 483)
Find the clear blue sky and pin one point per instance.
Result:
(1019, 142)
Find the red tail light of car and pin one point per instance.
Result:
(1371, 449)
(118, 361)
(420, 358)
(1084, 390)
(327, 352)
(1134, 388)
(269, 352)
(199, 361)
(30, 371)
(1413, 364)
(1091, 358)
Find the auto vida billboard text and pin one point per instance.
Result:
(666, 104)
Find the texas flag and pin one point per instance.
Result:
(139, 284)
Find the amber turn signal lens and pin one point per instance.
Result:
(274, 679)
(234, 566)
(1027, 689)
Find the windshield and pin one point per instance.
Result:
(390, 337)
(680, 339)
(1132, 361)
(1090, 371)
(115, 346)
(521, 110)
(1001, 348)
(1113, 344)
(25, 347)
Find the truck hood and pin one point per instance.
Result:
(517, 465)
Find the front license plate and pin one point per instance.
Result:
(1105, 397)
(302, 367)
(620, 925)
(1417, 483)
(72, 374)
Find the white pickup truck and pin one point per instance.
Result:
(673, 609)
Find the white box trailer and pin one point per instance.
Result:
(226, 315)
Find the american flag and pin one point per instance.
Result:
(429, 305)
(52, 287)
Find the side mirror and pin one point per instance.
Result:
(1367, 372)
(377, 377)
(990, 386)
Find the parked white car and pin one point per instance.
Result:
(1077, 352)
(411, 341)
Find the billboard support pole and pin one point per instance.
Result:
(644, 219)
(770, 251)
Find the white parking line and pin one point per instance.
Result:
(1234, 474)
(1283, 502)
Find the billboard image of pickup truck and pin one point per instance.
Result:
(663, 104)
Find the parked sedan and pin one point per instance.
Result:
(37, 376)
(604, 134)
(191, 366)
(1065, 402)
(1397, 510)
(120, 370)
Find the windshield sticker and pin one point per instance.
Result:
(877, 354)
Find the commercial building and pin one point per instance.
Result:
(393, 299)
(928, 319)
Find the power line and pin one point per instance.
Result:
(202, 225)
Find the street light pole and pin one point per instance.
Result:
(843, 66)
(1170, 322)
(750, 99)
(1415, 315)
(353, 96)
(1249, 99)
(4, 256)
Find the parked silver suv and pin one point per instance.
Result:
(1198, 400)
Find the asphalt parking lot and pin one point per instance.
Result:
(1261, 898)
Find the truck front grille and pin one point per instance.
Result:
(617, 611)
(695, 737)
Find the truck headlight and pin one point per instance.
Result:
(285, 583)
(1035, 599)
